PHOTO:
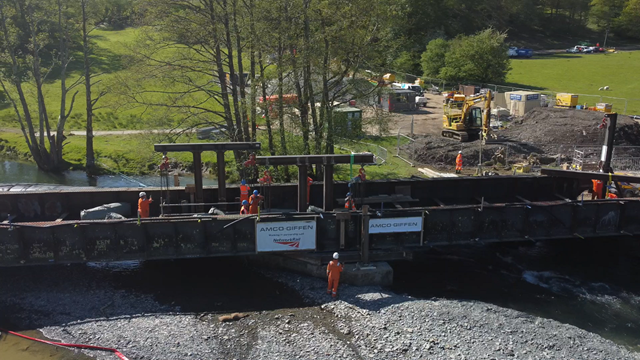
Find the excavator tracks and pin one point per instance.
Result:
(456, 135)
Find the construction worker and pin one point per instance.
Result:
(597, 189)
(164, 165)
(244, 191)
(349, 203)
(333, 273)
(459, 162)
(143, 205)
(244, 210)
(254, 201)
(309, 182)
(612, 193)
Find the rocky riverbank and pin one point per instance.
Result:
(290, 317)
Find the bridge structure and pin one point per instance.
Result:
(396, 219)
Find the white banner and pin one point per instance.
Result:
(286, 235)
(395, 225)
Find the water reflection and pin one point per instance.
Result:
(17, 172)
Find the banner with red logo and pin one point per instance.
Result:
(285, 235)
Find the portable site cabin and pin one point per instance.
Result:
(398, 100)
(347, 122)
(521, 102)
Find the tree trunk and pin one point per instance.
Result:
(283, 139)
(91, 161)
(241, 82)
(232, 72)
(267, 115)
(254, 87)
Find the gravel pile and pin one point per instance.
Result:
(365, 323)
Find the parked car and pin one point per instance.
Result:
(574, 50)
(520, 52)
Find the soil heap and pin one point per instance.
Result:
(547, 132)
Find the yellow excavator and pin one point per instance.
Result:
(465, 122)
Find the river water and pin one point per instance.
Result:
(17, 172)
(591, 284)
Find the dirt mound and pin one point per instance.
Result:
(442, 152)
(547, 132)
(549, 126)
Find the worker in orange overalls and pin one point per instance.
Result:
(244, 210)
(143, 205)
(597, 189)
(459, 162)
(254, 201)
(309, 182)
(612, 193)
(333, 273)
(349, 203)
(244, 191)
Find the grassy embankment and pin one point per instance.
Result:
(133, 154)
(584, 74)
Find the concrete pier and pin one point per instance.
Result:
(376, 273)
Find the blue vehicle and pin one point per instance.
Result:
(515, 52)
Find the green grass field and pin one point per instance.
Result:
(584, 74)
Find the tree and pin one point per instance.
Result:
(627, 23)
(87, 28)
(604, 12)
(30, 30)
(433, 59)
(482, 57)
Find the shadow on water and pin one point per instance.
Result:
(589, 284)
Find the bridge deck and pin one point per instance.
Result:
(46, 242)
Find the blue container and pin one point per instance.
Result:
(579, 107)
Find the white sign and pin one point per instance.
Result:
(395, 225)
(286, 235)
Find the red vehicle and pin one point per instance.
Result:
(287, 100)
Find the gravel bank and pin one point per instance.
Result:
(366, 323)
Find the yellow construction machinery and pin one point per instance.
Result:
(465, 122)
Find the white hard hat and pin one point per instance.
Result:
(143, 194)
(460, 152)
(335, 255)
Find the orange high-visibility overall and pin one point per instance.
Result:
(459, 162)
(350, 204)
(244, 192)
(253, 203)
(309, 182)
(143, 207)
(597, 189)
(244, 210)
(333, 272)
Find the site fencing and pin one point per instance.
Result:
(354, 146)
(624, 106)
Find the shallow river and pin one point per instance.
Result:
(17, 172)
(590, 284)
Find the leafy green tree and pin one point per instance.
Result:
(433, 59)
(629, 20)
(408, 63)
(482, 57)
(604, 12)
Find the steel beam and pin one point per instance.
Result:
(197, 175)
(302, 188)
(222, 185)
(588, 175)
(315, 159)
(219, 146)
(328, 188)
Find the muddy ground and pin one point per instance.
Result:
(551, 134)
